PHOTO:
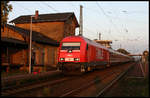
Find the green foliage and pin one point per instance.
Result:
(5, 9)
(145, 53)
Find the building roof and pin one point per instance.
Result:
(45, 18)
(36, 36)
(103, 41)
(11, 40)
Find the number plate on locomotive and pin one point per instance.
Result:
(69, 59)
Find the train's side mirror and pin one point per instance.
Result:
(87, 47)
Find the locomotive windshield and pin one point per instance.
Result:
(70, 45)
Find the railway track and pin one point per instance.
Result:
(70, 93)
(16, 81)
(17, 90)
(113, 81)
(75, 92)
(73, 86)
(21, 77)
(11, 85)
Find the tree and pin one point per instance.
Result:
(123, 51)
(145, 53)
(5, 9)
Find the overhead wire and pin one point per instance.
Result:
(41, 7)
(107, 16)
(126, 31)
(53, 10)
(111, 21)
(75, 7)
(50, 7)
(87, 20)
(90, 31)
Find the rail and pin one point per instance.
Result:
(74, 91)
(113, 81)
(18, 90)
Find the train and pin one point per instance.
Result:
(78, 54)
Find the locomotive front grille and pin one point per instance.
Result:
(71, 66)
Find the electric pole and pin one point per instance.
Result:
(120, 46)
(99, 36)
(81, 21)
(30, 43)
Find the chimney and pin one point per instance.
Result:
(99, 36)
(36, 14)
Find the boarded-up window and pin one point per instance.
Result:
(43, 53)
(36, 57)
(53, 52)
(51, 56)
(33, 58)
(40, 57)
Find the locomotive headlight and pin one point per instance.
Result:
(76, 59)
(61, 59)
(69, 51)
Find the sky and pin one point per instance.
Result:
(124, 22)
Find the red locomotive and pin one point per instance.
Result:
(79, 54)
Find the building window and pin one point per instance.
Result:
(43, 53)
(33, 58)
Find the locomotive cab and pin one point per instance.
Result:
(72, 54)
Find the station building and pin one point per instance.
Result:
(47, 32)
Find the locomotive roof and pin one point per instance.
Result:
(96, 44)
